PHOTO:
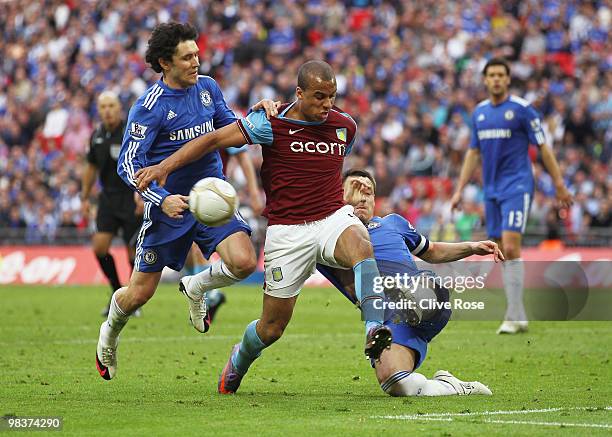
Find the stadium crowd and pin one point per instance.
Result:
(409, 71)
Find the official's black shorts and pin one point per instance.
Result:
(116, 211)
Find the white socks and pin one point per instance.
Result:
(217, 275)
(404, 383)
(514, 278)
(117, 318)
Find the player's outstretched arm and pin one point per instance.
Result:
(439, 252)
(472, 159)
(227, 136)
(552, 167)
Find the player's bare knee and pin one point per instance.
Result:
(272, 331)
(363, 248)
(242, 264)
(512, 251)
(138, 296)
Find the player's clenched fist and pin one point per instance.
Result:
(487, 247)
(145, 176)
(174, 205)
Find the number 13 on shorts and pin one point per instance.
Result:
(515, 212)
(507, 215)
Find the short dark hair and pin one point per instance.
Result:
(164, 39)
(311, 69)
(357, 172)
(496, 61)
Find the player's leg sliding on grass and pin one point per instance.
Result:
(396, 374)
(395, 241)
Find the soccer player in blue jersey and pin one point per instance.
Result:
(179, 107)
(395, 242)
(503, 127)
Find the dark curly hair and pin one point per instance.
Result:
(164, 39)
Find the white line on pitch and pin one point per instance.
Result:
(518, 422)
(482, 413)
(526, 422)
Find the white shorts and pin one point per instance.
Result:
(291, 252)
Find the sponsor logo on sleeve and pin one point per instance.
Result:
(205, 98)
(535, 124)
(137, 131)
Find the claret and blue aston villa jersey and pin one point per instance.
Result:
(302, 163)
(159, 123)
(503, 133)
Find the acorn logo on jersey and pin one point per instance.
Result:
(320, 147)
(138, 131)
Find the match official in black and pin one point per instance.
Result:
(118, 206)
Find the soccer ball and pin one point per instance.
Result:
(213, 201)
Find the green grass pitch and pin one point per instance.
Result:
(555, 379)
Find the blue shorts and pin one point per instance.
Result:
(507, 214)
(417, 338)
(153, 258)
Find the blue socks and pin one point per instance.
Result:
(250, 348)
(372, 310)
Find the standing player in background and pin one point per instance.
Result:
(117, 204)
(503, 126)
(395, 243)
(182, 105)
(308, 222)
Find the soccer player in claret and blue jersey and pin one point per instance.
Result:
(182, 105)
(395, 242)
(503, 127)
(308, 222)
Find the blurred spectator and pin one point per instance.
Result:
(409, 74)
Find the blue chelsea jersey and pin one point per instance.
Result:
(159, 123)
(394, 241)
(503, 133)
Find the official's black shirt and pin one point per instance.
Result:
(104, 148)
